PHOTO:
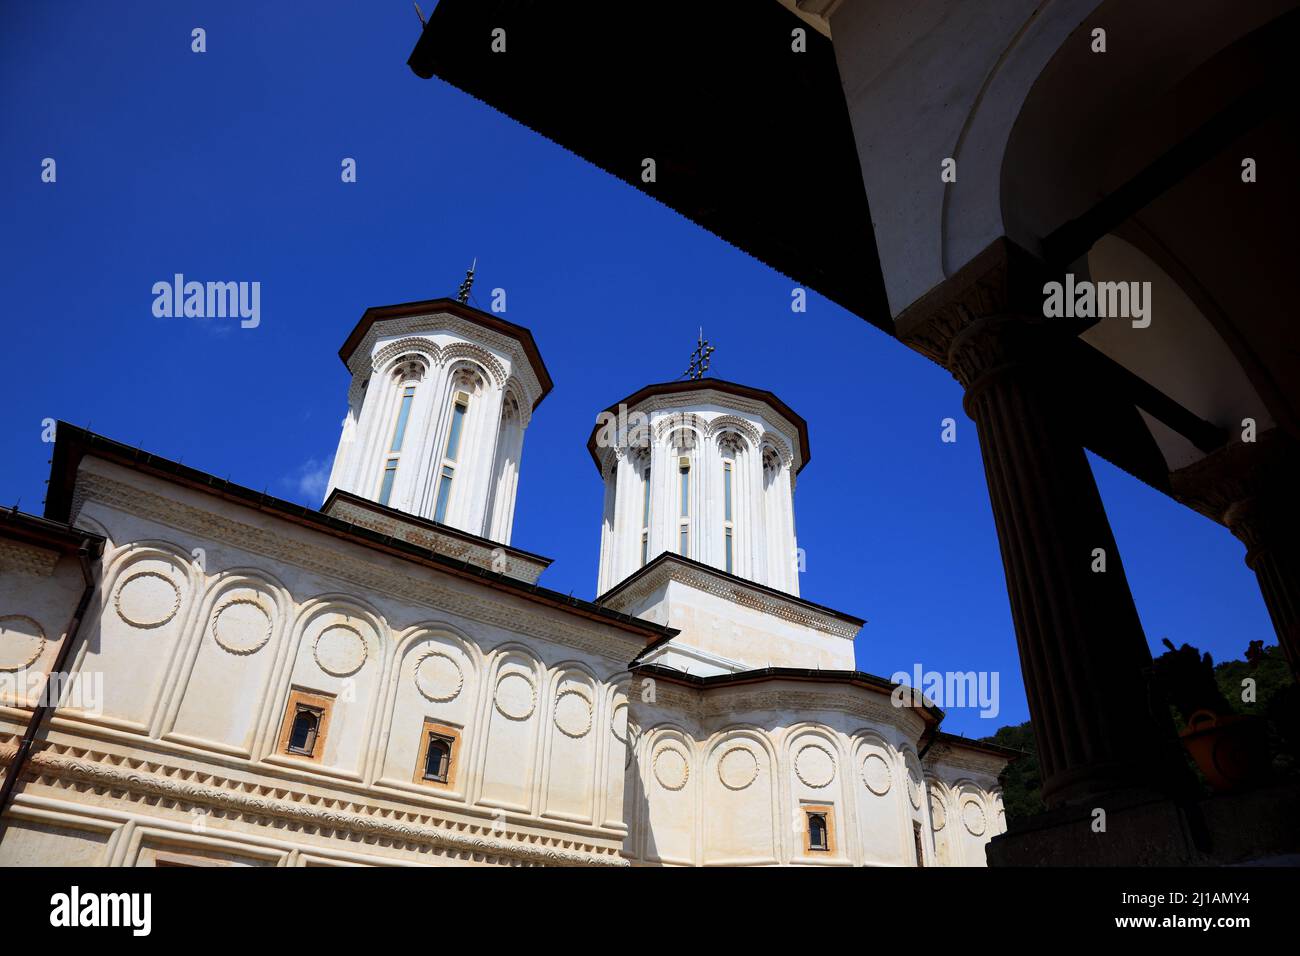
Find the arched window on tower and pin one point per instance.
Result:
(407, 373)
(466, 383)
(683, 446)
(729, 446)
(642, 464)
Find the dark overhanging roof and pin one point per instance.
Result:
(717, 384)
(750, 139)
(73, 444)
(37, 532)
(487, 320)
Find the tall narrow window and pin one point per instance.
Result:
(386, 485)
(684, 522)
(448, 474)
(403, 414)
(645, 515)
(444, 494)
(395, 446)
(727, 525)
(457, 423)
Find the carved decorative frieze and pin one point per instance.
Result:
(1002, 280)
(60, 765)
(445, 322)
(18, 558)
(788, 440)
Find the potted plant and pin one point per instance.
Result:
(1230, 749)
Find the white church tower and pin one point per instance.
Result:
(441, 396)
(703, 469)
(698, 529)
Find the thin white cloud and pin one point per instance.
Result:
(311, 479)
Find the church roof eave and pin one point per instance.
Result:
(73, 444)
(770, 399)
(486, 320)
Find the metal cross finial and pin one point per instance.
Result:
(699, 358)
(463, 295)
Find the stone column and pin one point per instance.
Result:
(1083, 654)
(1253, 488)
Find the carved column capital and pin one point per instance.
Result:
(1251, 488)
(1004, 279)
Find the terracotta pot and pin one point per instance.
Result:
(1230, 749)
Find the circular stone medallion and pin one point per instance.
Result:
(340, 650)
(972, 815)
(573, 713)
(938, 816)
(438, 677)
(21, 642)
(618, 725)
(737, 768)
(147, 599)
(914, 787)
(815, 766)
(876, 774)
(515, 697)
(241, 626)
(671, 769)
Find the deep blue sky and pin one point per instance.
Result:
(225, 166)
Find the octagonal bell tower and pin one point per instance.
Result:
(704, 469)
(441, 396)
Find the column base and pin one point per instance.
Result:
(1227, 829)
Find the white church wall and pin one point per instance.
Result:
(38, 590)
(194, 684)
(727, 776)
(561, 757)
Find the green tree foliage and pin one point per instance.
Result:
(1276, 698)
(1021, 783)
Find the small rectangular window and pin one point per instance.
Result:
(306, 722)
(819, 829)
(684, 543)
(645, 548)
(439, 753)
(729, 562)
(686, 487)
